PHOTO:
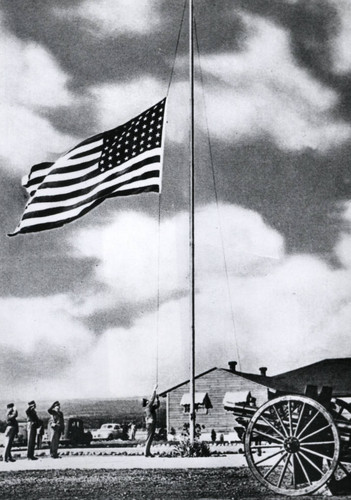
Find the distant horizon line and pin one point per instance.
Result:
(98, 398)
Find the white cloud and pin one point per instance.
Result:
(23, 78)
(132, 273)
(30, 79)
(343, 246)
(32, 321)
(285, 318)
(39, 342)
(38, 138)
(117, 103)
(341, 42)
(281, 311)
(263, 91)
(124, 16)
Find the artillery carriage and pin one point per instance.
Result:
(295, 444)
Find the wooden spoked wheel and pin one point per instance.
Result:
(292, 445)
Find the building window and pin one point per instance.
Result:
(202, 402)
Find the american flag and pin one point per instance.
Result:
(123, 161)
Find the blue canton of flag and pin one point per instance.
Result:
(123, 161)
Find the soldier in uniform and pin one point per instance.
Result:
(150, 407)
(33, 422)
(56, 427)
(10, 431)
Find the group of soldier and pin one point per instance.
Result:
(35, 429)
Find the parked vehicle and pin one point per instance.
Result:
(109, 432)
(74, 433)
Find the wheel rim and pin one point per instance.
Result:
(292, 445)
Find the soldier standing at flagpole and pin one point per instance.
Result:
(56, 427)
(150, 406)
(10, 431)
(33, 422)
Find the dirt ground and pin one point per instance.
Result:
(134, 484)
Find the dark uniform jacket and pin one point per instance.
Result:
(32, 417)
(11, 419)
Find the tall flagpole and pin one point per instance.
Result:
(192, 227)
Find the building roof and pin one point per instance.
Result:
(162, 394)
(335, 373)
(259, 379)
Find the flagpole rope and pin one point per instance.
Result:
(216, 200)
(158, 287)
(176, 48)
(159, 215)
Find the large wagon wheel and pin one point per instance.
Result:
(292, 445)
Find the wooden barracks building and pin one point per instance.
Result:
(212, 388)
(218, 387)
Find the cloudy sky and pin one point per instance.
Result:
(78, 305)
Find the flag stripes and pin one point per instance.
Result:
(48, 203)
(123, 161)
